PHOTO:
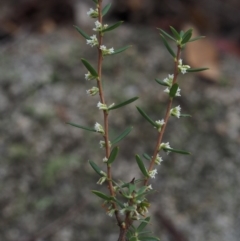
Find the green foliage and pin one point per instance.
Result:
(110, 28)
(81, 127)
(106, 9)
(122, 135)
(141, 166)
(123, 103)
(153, 123)
(173, 90)
(113, 155)
(82, 32)
(89, 67)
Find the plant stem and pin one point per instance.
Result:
(166, 118)
(105, 113)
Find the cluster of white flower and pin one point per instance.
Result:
(103, 144)
(169, 80)
(99, 27)
(158, 160)
(160, 123)
(93, 91)
(106, 51)
(88, 76)
(102, 106)
(98, 128)
(176, 111)
(183, 68)
(164, 145)
(93, 13)
(105, 159)
(153, 173)
(93, 41)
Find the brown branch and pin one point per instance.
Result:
(166, 118)
(105, 114)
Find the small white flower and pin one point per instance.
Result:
(153, 173)
(169, 80)
(158, 160)
(106, 51)
(176, 111)
(105, 159)
(102, 180)
(102, 106)
(103, 144)
(98, 128)
(160, 123)
(99, 27)
(164, 145)
(93, 13)
(149, 187)
(88, 76)
(93, 41)
(182, 68)
(93, 91)
(110, 212)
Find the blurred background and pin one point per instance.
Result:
(45, 179)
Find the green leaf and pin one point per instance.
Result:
(196, 69)
(197, 38)
(82, 127)
(143, 224)
(132, 188)
(105, 9)
(123, 103)
(185, 115)
(161, 82)
(146, 156)
(147, 117)
(181, 34)
(89, 67)
(150, 238)
(177, 151)
(141, 166)
(141, 191)
(96, 168)
(173, 90)
(101, 195)
(112, 26)
(166, 34)
(186, 37)
(113, 155)
(96, 1)
(122, 135)
(168, 46)
(82, 32)
(175, 33)
(117, 51)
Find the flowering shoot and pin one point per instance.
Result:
(183, 68)
(176, 111)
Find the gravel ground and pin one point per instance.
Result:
(44, 175)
